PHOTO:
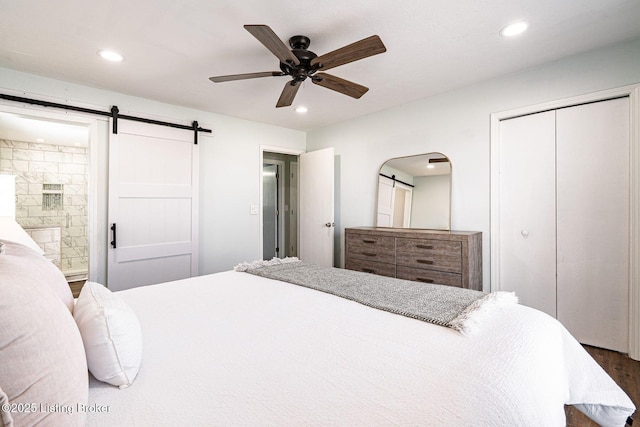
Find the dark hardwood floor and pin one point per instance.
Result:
(624, 371)
(76, 287)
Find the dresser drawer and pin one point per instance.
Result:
(442, 255)
(371, 247)
(429, 276)
(379, 268)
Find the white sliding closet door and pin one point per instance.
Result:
(527, 262)
(563, 225)
(593, 222)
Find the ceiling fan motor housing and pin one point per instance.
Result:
(299, 45)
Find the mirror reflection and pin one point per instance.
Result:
(415, 192)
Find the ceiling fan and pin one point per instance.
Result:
(300, 63)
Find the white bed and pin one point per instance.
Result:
(236, 349)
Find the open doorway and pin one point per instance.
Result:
(49, 158)
(279, 205)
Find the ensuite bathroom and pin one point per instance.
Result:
(45, 162)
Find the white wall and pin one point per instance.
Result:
(430, 208)
(230, 183)
(229, 164)
(457, 124)
(8, 195)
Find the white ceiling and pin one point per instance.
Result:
(173, 47)
(18, 128)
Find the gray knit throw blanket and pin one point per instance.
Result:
(456, 308)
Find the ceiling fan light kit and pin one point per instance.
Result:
(300, 63)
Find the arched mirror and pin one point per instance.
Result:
(415, 192)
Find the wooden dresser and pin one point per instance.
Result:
(451, 258)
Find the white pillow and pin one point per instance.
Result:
(21, 265)
(111, 335)
(42, 360)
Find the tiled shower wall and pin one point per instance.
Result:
(37, 164)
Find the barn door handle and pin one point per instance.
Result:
(113, 242)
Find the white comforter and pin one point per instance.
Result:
(236, 349)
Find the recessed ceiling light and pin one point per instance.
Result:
(302, 109)
(111, 55)
(39, 139)
(514, 29)
(431, 166)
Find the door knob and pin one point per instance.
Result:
(524, 233)
(330, 224)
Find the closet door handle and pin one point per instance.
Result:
(113, 242)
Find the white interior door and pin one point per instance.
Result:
(153, 202)
(316, 183)
(593, 222)
(527, 210)
(293, 211)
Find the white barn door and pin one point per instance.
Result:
(153, 205)
(386, 201)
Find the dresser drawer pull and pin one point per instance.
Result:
(424, 261)
(420, 279)
(369, 254)
(424, 246)
(368, 241)
(368, 270)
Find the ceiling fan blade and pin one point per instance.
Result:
(271, 41)
(353, 52)
(288, 93)
(220, 79)
(346, 87)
